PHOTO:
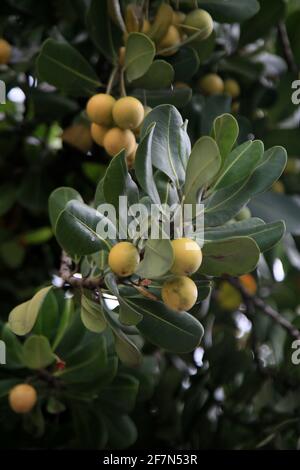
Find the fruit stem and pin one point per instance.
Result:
(111, 80)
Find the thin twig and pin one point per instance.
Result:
(257, 302)
(286, 46)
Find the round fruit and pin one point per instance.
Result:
(229, 297)
(199, 20)
(146, 27)
(123, 259)
(244, 214)
(211, 84)
(22, 398)
(79, 136)
(99, 109)
(128, 112)
(171, 39)
(117, 139)
(187, 256)
(98, 133)
(5, 51)
(249, 283)
(179, 293)
(232, 88)
(130, 159)
(178, 18)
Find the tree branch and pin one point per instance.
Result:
(286, 46)
(252, 301)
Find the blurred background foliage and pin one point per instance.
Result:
(239, 389)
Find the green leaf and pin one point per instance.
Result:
(58, 200)
(7, 198)
(174, 331)
(143, 166)
(140, 52)
(282, 207)
(76, 229)
(125, 348)
(121, 394)
(166, 189)
(65, 320)
(235, 256)
(225, 133)
(203, 165)
(92, 315)
(185, 63)
(100, 29)
(64, 67)
(178, 97)
(170, 135)
(265, 235)
(222, 205)
(240, 163)
(159, 75)
(233, 11)
(158, 259)
(259, 25)
(23, 317)
(37, 352)
(118, 182)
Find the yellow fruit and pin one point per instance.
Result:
(128, 112)
(249, 283)
(187, 256)
(211, 84)
(5, 51)
(22, 398)
(171, 39)
(278, 187)
(98, 133)
(228, 297)
(178, 18)
(235, 107)
(232, 88)
(161, 23)
(179, 293)
(99, 109)
(122, 52)
(117, 139)
(146, 27)
(123, 259)
(79, 136)
(199, 20)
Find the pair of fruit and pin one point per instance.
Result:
(198, 21)
(22, 398)
(178, 292)
(213, 84)
(113, 122)
(5, 51)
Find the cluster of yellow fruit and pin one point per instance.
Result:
(169, 27)
(179, 292)
(213, 84)
(114, 122)
(229, 298)
(22, 398)
(5, 51)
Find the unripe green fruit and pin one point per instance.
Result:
(211, 84)
(243, 214)
(22, 398)
(128, 112)
(117, 139)
(123, 259)
(199, 20)
(5, 51)
(187, 256)
(179, 293)
(99, 109)
(232, 88)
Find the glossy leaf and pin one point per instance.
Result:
(140, 52)
(58, 200)
(158, 259)
(159, 75)
(225, 133)
(37, 352)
